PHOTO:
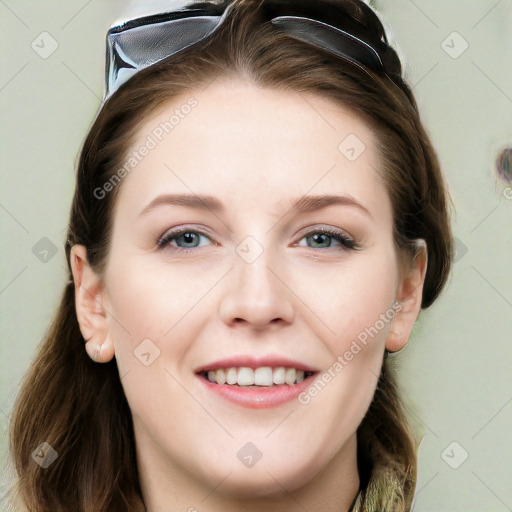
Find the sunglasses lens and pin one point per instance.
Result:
(141, 42)
(332, 39)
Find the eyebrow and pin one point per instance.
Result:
(206, 202)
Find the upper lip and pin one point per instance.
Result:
(248, 361)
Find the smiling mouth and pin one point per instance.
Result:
(266, 376)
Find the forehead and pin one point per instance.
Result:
(250, 145)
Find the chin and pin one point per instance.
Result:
(264, 482)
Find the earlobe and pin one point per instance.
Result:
(90, 309)
(409, 295)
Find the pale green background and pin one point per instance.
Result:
(457, 368)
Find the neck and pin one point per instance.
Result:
(172, 489)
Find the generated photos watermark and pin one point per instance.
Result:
(343, 360)
(151, 142)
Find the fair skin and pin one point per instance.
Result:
(255, 150)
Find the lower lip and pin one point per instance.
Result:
(261, 397)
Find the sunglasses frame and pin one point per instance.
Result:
(141, 42)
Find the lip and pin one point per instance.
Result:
(256, 397)
(255, 362)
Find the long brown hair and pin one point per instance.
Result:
(79, 407)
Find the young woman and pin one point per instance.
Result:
(258, 219)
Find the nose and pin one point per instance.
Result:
(257, 296)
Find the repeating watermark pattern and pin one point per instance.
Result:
(45, 455)
(249, 455)
(44, 250)
(343, 360)
(454, 455)
(151, 142)
(459, 249)
(249, 249)
(44, 45)
(146, 352)
(352, 147)
(454, 45)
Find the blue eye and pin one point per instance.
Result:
(320, 236)
(191, 239)
(188, 236)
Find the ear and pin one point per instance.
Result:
(409, 295)
(90, 310)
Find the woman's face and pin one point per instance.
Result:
(244, 278)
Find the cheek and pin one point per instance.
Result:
(156, 313)
(148, 300)
(357, 305)
(351, 299)
(144, 308)
(148, 347)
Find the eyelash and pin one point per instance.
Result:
(345, 241)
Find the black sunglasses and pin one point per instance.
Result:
(139, 43)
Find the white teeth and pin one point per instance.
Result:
(245, 376)
(263, 376)
(278, 375)
(220, 376)
(231, 377)
(289, 375)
